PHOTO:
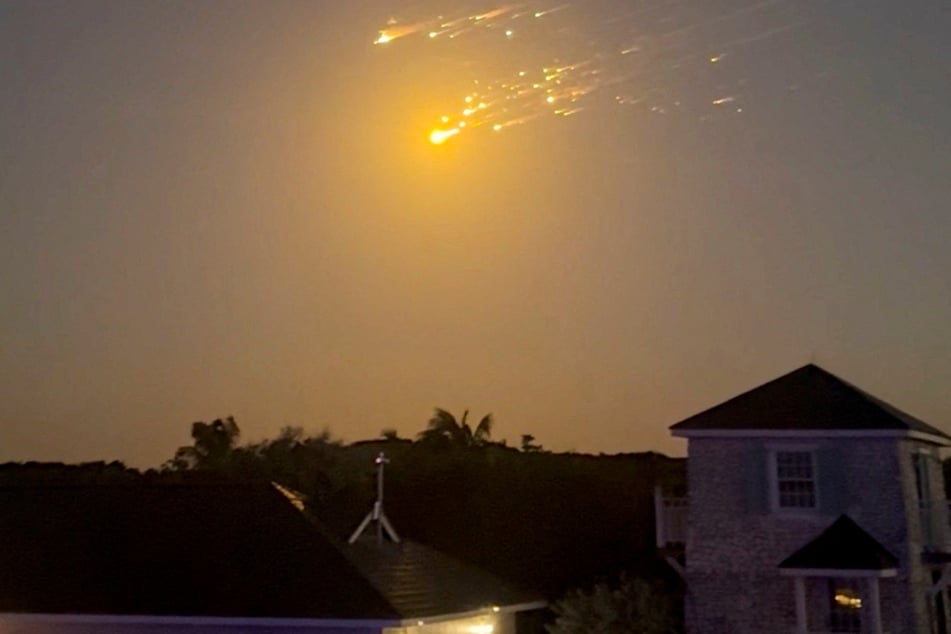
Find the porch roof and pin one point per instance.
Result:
(842, 547)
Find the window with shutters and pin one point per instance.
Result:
(793, 480)
(932, 531)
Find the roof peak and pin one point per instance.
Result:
(842, 546)
(809, 398)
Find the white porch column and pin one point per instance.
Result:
(874, 607)
(799, 587)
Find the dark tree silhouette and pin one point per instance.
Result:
(633, 605)
(445, 430)
(529, 445)
(213, 444)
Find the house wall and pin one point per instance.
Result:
(489, 623)
(17, 626)
(735, 542)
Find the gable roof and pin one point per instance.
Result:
(843, 546)
(806, 399)
(419, 581)
(165, 549)
(210, 547)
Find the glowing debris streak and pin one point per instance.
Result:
(664, 56)
(438, 137)
(389, 34)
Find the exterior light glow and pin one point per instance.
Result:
(848, 600)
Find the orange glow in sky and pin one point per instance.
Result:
(592, 229)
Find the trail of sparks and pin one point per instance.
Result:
(521, 97)
(637, 56)
(451, 28)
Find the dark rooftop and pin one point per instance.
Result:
(172, 549)
(209, 547)
(842, 546)
(420, 581)
(806, 399)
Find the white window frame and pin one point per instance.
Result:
(773, 478)
(860, 615)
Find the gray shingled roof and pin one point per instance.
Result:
(842, 546)
(421, 582)
(809, 398)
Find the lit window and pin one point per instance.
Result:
(795, 480)
(845, 607)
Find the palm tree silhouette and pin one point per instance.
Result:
(444, 429)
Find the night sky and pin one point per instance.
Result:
(638, 209)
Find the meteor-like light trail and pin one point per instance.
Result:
(664, 57)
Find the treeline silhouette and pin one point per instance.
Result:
(549, 521)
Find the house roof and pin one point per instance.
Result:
(207, 548)
(809, 398)
(157, 548)
(842, 546)
(420, 581)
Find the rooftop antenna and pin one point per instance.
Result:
(376, 513)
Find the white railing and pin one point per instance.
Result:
(670, 519)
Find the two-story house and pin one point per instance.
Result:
(814, 507)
